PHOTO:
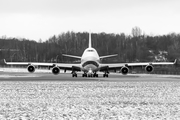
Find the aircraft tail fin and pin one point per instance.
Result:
(90, 43)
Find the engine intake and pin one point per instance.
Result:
(149, 68)
(31, 68)
(124, 70)
(55, 70)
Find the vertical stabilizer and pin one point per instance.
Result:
(90, 44)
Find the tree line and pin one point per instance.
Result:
(130, 48)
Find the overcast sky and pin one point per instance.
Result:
(35, 19)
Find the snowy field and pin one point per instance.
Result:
(147, 99)
(89, 100)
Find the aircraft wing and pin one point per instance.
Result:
(115, 66)
(66, 66)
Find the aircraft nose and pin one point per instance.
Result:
(90, 71)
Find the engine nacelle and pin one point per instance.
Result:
(149, 68)
(124, 70)
(55, 70)
(31, 68)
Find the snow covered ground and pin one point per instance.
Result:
(89, 100)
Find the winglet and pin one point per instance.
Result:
(90, 43)
(175, 62)
(5, 61)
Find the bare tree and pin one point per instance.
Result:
(136, 32)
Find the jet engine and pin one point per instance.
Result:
(149, 68)
(124, 70)
(31, 68)
(55, 70)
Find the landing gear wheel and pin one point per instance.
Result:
(105, 75)
(90, 75)
(95, 75)
(74, 75)
(84, 75)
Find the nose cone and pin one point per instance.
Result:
(90, 71)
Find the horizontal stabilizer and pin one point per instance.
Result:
(72, 56)
(107, 56)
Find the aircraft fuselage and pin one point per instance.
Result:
(90, 61)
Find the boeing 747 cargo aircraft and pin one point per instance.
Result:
(90, 64)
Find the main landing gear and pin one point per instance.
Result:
(74, 74)
(95, 75)
(106, 74)
(90, 75)
(84, 75)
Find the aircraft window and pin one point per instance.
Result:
(90, 62)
